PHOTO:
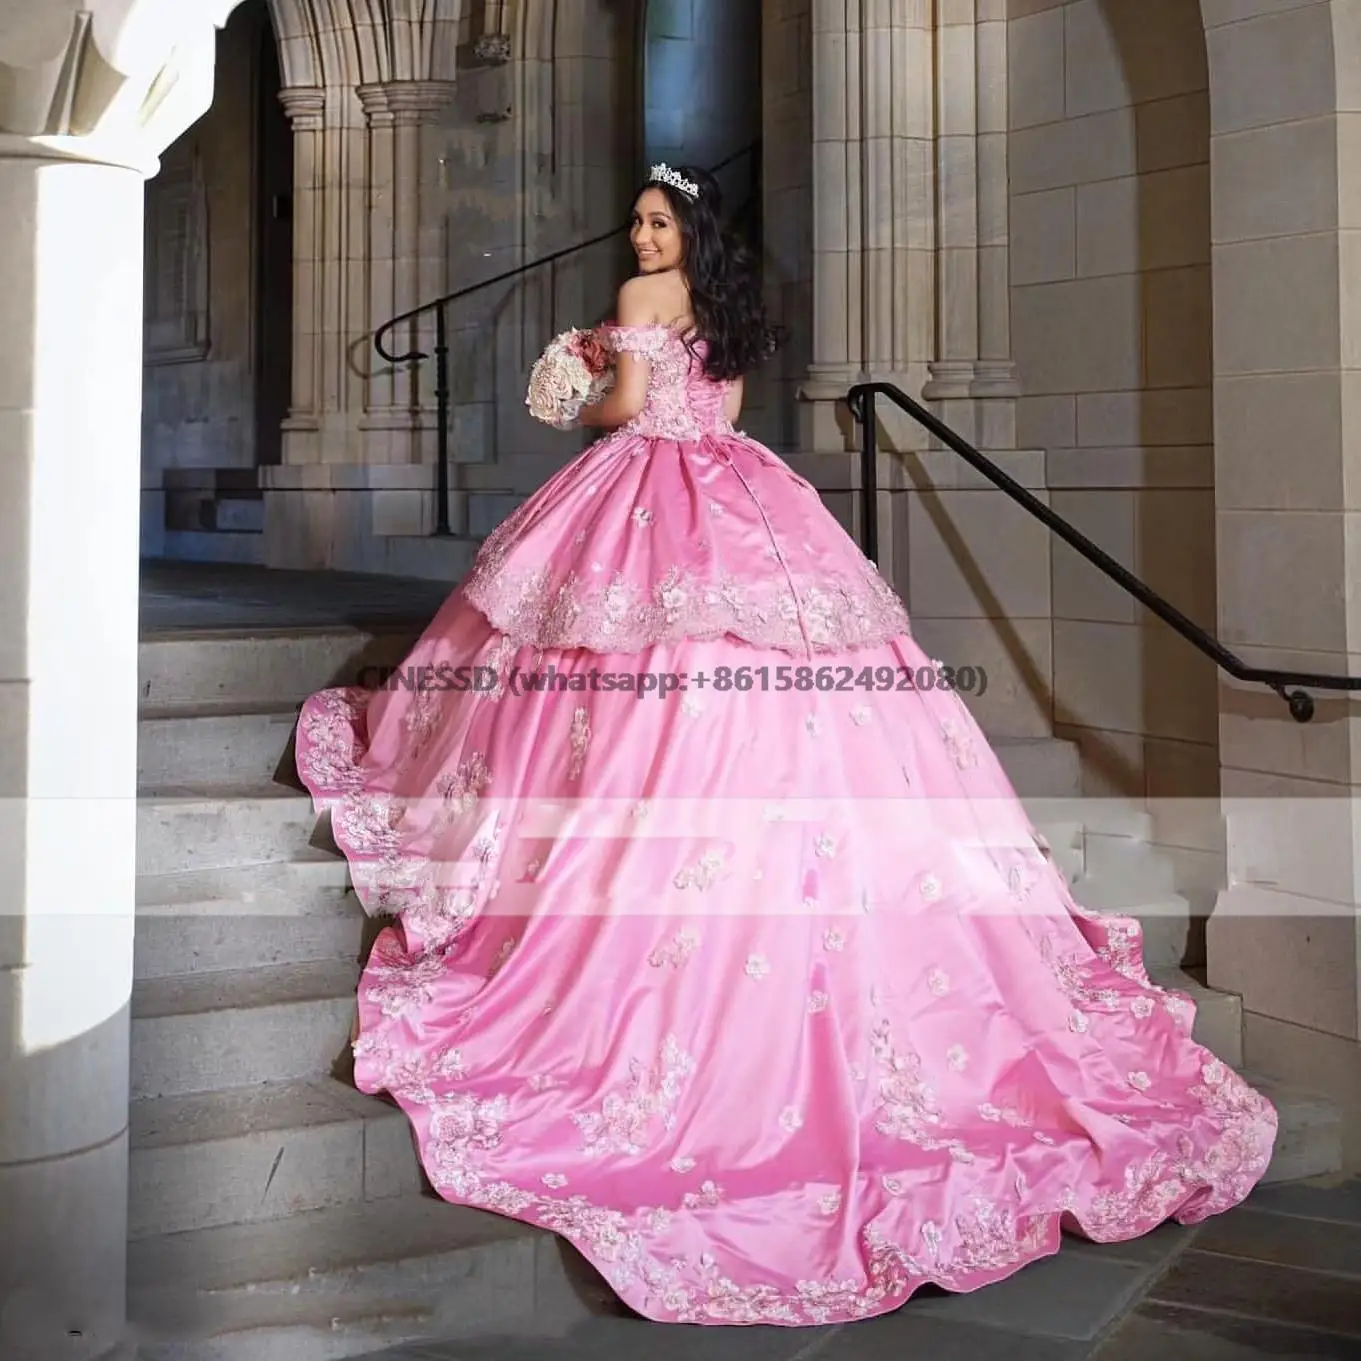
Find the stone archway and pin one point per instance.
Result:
(1286, 170)
(339, 44)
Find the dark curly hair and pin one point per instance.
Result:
(725, 290)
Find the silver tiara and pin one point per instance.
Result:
(663, 174)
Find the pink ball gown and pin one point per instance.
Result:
(761, 992)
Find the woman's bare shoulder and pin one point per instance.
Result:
(651, 300)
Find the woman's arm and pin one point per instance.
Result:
(625, 400)
(732, 400)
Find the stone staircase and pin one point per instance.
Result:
(275, 1213)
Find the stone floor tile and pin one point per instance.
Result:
(893, 1337)
(909, 1336)
(1158, 1332)
(1266, 1291)
(1072, 1295)
(627, 1339)
(1313, 1245)
(1321, 1198)
(1152, 1249)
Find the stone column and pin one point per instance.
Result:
(910, 286)
(1287, 332)
(351, 478)
(873, 209)
(973, 376)
(786, 212)
(306, 107)
(71, 253)
(399, 417)
(837, 237)
(996, 383)
(330, 306)
(953, 366)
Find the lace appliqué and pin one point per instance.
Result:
(908, 1106)
(677, 952)
(625, 1119)
(581, 740)
(331, 751)
(545, 609)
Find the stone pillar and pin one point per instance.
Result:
(306, 110)
(837, 237)
(399, 417)
(786, 212)
(352, 478)
(71, 243)
(1287, 331)
(873, 210)
(996, 384)
(910, 286)
(973, 376)
(953, 367)
(330, 306)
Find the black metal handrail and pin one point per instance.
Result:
(440, 306)
(861, 397)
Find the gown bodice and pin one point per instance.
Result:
(675, 526)
(683, 403)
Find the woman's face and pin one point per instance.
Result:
(655, 233)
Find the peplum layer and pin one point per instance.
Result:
(649, 540)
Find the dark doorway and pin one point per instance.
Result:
(273, 253)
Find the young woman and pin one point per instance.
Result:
(722, 946)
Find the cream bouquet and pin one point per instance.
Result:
(576, 370)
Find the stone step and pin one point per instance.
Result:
(243, 749)
(211, 1031)
(250, 743)
(1219, 1015)
(260, 669)
(262, 677)
(213, 545)
(1309, 1133)
(1129, 862)
(291, 911)
(1173, 934)
(240, 514)
(201, 829)
(259, 1153)
(339, 1282)
(425, 557)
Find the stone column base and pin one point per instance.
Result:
(362, 517)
